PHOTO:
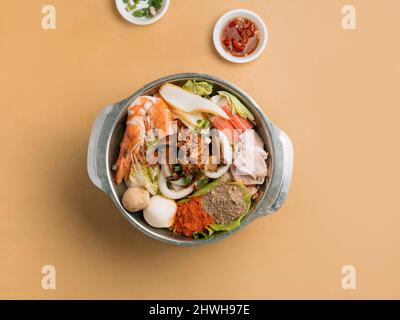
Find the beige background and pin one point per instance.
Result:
(335, 92)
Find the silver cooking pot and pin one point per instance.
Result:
(108, 130)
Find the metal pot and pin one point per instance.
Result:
(108, 130)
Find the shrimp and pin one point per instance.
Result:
(144, 114)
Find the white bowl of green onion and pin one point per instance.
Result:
(142, 12)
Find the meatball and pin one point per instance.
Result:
(135, 199)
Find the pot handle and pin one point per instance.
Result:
(96, 159)
(281, 175)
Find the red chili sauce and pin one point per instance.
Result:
(240, 37)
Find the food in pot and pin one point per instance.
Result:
(240, 37)
(187, 102)
(144, 114)
(191, 159)
(249, 166)
(173, 193)
(135, 199)
(240, 118)
(145, 176)
(201, 88)
(216, 172)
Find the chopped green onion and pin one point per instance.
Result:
(187, 179)
(141, 13)
(203, 124)
(153, 6)
(202, 182)
(155, 3)
(131, 7)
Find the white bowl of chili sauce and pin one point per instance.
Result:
(240, 36)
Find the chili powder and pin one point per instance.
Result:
(191, 217)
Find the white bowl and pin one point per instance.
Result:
(142, 20)
(243, 13)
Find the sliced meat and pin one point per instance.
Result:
(249, 165)
(244, 178)
(251, 136)
(252, 162)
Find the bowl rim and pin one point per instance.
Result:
(122, 106)
(240, 13)
(142, 21)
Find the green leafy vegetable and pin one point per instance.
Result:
(150, 142)
(227, 227)
(201, 88)
(187, 179)
(237, 106)
(202, 183)
(183, 200)
(215, 229)
(146, 176)
(151, 178)
(204, 235)
(203, 124)
(206, 189)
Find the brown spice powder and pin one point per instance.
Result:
(225, 203)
